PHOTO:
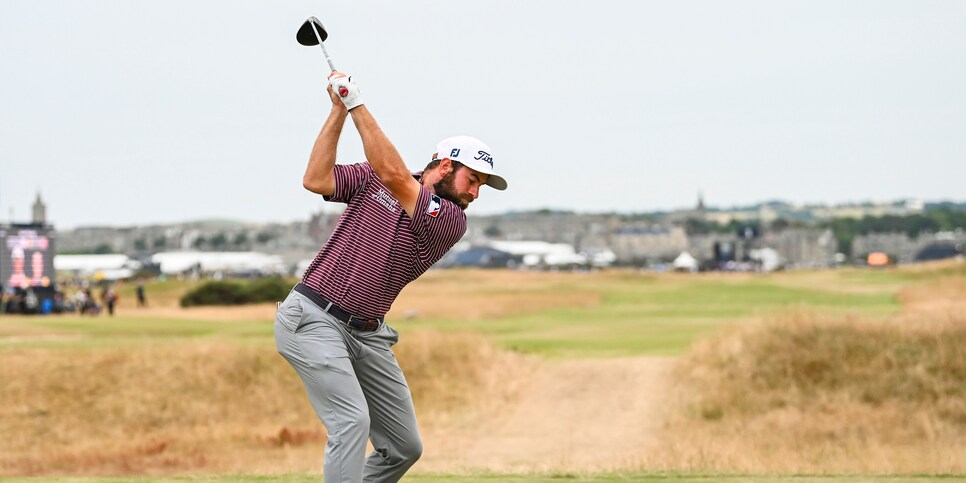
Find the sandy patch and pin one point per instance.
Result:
(578, 415)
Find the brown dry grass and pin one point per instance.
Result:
(803, 393)
(450, 294)
(481, 294)
(198, 407)
(940, 299)
(265, 311)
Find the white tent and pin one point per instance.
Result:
(685, 262)
(600, 257)
(172, 263)
(109, 267)
(540, 252)
(768, 257)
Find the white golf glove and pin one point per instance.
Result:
(347, 90)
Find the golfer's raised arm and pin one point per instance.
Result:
(318, 174)
(380, 152)
(385, 160)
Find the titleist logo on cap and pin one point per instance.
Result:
(485, 157)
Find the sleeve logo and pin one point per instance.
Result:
(434, 205)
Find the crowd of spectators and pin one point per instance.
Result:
(73, 296)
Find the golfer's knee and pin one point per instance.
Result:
(356, 425)
(349, 429)
(412, 450)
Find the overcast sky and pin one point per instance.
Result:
(123, 112)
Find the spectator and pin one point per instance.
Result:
(13, 303)
(31, 304)
(142, 300)
(110, 298)
(89, 305)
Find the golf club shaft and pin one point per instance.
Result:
(324, 52)
(327, 59)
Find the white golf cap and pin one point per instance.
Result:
(472, 153)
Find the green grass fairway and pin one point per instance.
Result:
(638, 314)
(663, 315)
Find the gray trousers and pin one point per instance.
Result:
(356, 387)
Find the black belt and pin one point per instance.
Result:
(353, 321)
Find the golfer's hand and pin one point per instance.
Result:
(347, 90)
(337, 104)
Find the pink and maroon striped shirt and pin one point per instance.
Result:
(376, 249)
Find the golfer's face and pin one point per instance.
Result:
(468, 183)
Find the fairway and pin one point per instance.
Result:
(607, 314)
(511, 373)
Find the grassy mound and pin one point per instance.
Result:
(809, 363)
(809, 393)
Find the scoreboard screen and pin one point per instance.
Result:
(26, 256)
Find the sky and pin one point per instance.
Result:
(131, 113)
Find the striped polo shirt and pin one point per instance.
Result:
(376, 248)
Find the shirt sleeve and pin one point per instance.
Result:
(349, 180)
(437, 224)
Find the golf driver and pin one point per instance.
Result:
(313, 32)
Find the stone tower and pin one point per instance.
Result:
(40, 212)
(700, 211)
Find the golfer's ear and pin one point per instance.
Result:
(445, 167)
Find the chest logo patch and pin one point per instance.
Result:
(434, 206)
(385, 199)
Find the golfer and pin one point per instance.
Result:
(331, 327)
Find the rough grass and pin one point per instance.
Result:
(195, 406)
(804, 392)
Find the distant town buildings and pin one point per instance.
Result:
(901, 248)
(766, 236)
(291, 241)
(639, 243)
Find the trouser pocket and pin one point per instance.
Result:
(288, 316)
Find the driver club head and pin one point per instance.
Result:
(306, 35)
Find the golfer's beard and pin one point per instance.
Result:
(445, 189)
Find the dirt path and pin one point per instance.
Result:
(578, 415)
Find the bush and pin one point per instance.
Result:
(270, 289)
(214, 293)
(230, 292)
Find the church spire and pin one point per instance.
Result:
(40, 211)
